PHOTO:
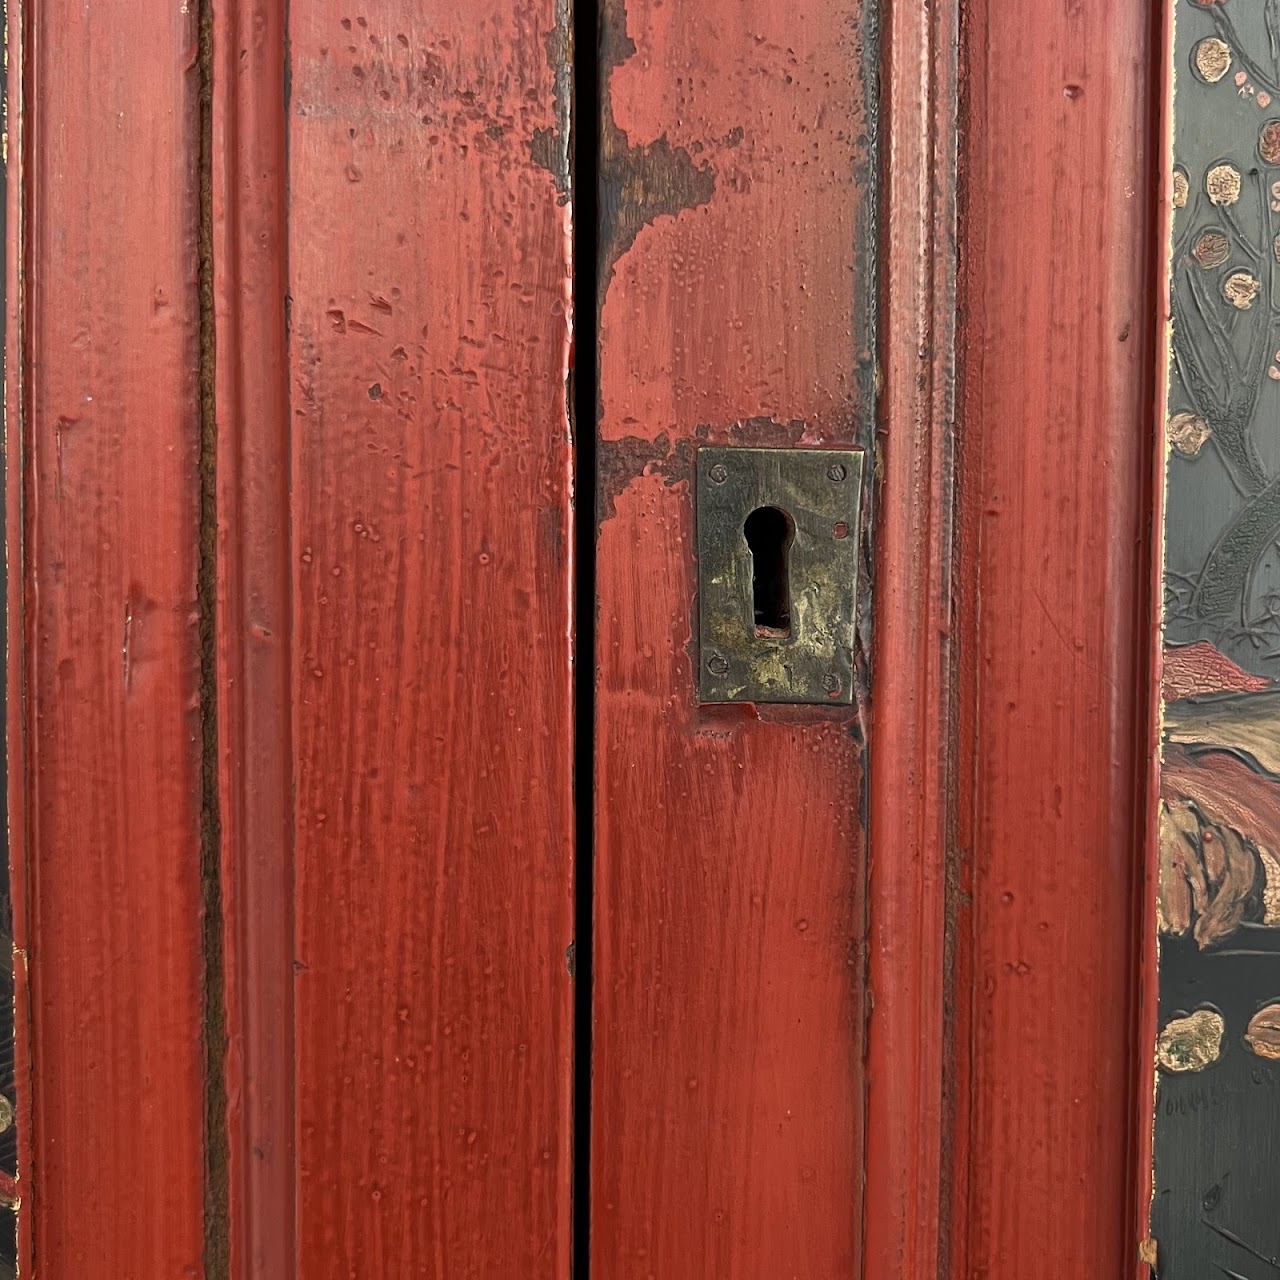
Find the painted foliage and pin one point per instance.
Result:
(1217, 1136)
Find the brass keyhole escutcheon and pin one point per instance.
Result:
(777, 573)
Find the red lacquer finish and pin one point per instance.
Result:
(432, 543)
(1059, 316)
(730, 857)
(254, 1087)
(103, 416)
(290, 523)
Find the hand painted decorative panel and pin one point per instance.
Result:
(1217, 1133)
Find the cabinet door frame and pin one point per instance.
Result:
(981, 413)
(1012, 957)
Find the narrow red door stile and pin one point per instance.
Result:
(103, 418)
(1054, 622)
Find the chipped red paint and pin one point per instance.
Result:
(432, 536)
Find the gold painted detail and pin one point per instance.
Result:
(1213, 59)
(1263, 1034)
(1211, 249)
(1269, 142)
(1191, 1043)
(1187, 433)
(1222, 184)
(1241, 290)
(1270, 888)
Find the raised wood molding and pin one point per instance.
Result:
(251, 1090)
(1059, 312)
(912, 782)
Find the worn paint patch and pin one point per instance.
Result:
(1187, 433)
(638, 184)
(620, 461)
(549, 147)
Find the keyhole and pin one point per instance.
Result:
(770, 532)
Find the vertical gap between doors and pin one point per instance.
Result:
(217, 1186)
(584, 410)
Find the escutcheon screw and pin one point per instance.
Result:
(831, 683)
(717, 665)
(719, 473)
(836, 472)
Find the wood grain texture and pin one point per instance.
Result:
(730, 858)
(1057, 350)
(104, 440)
(432, 541)
(910, 1109)
(254, 1086)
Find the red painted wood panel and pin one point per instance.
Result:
(104, 447)
(730, 858)
(391, 644)
(1058, 355)
(432, 543)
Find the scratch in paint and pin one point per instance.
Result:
(1235, 1239)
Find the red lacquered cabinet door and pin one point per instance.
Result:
(730, 856)
(448, 838)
